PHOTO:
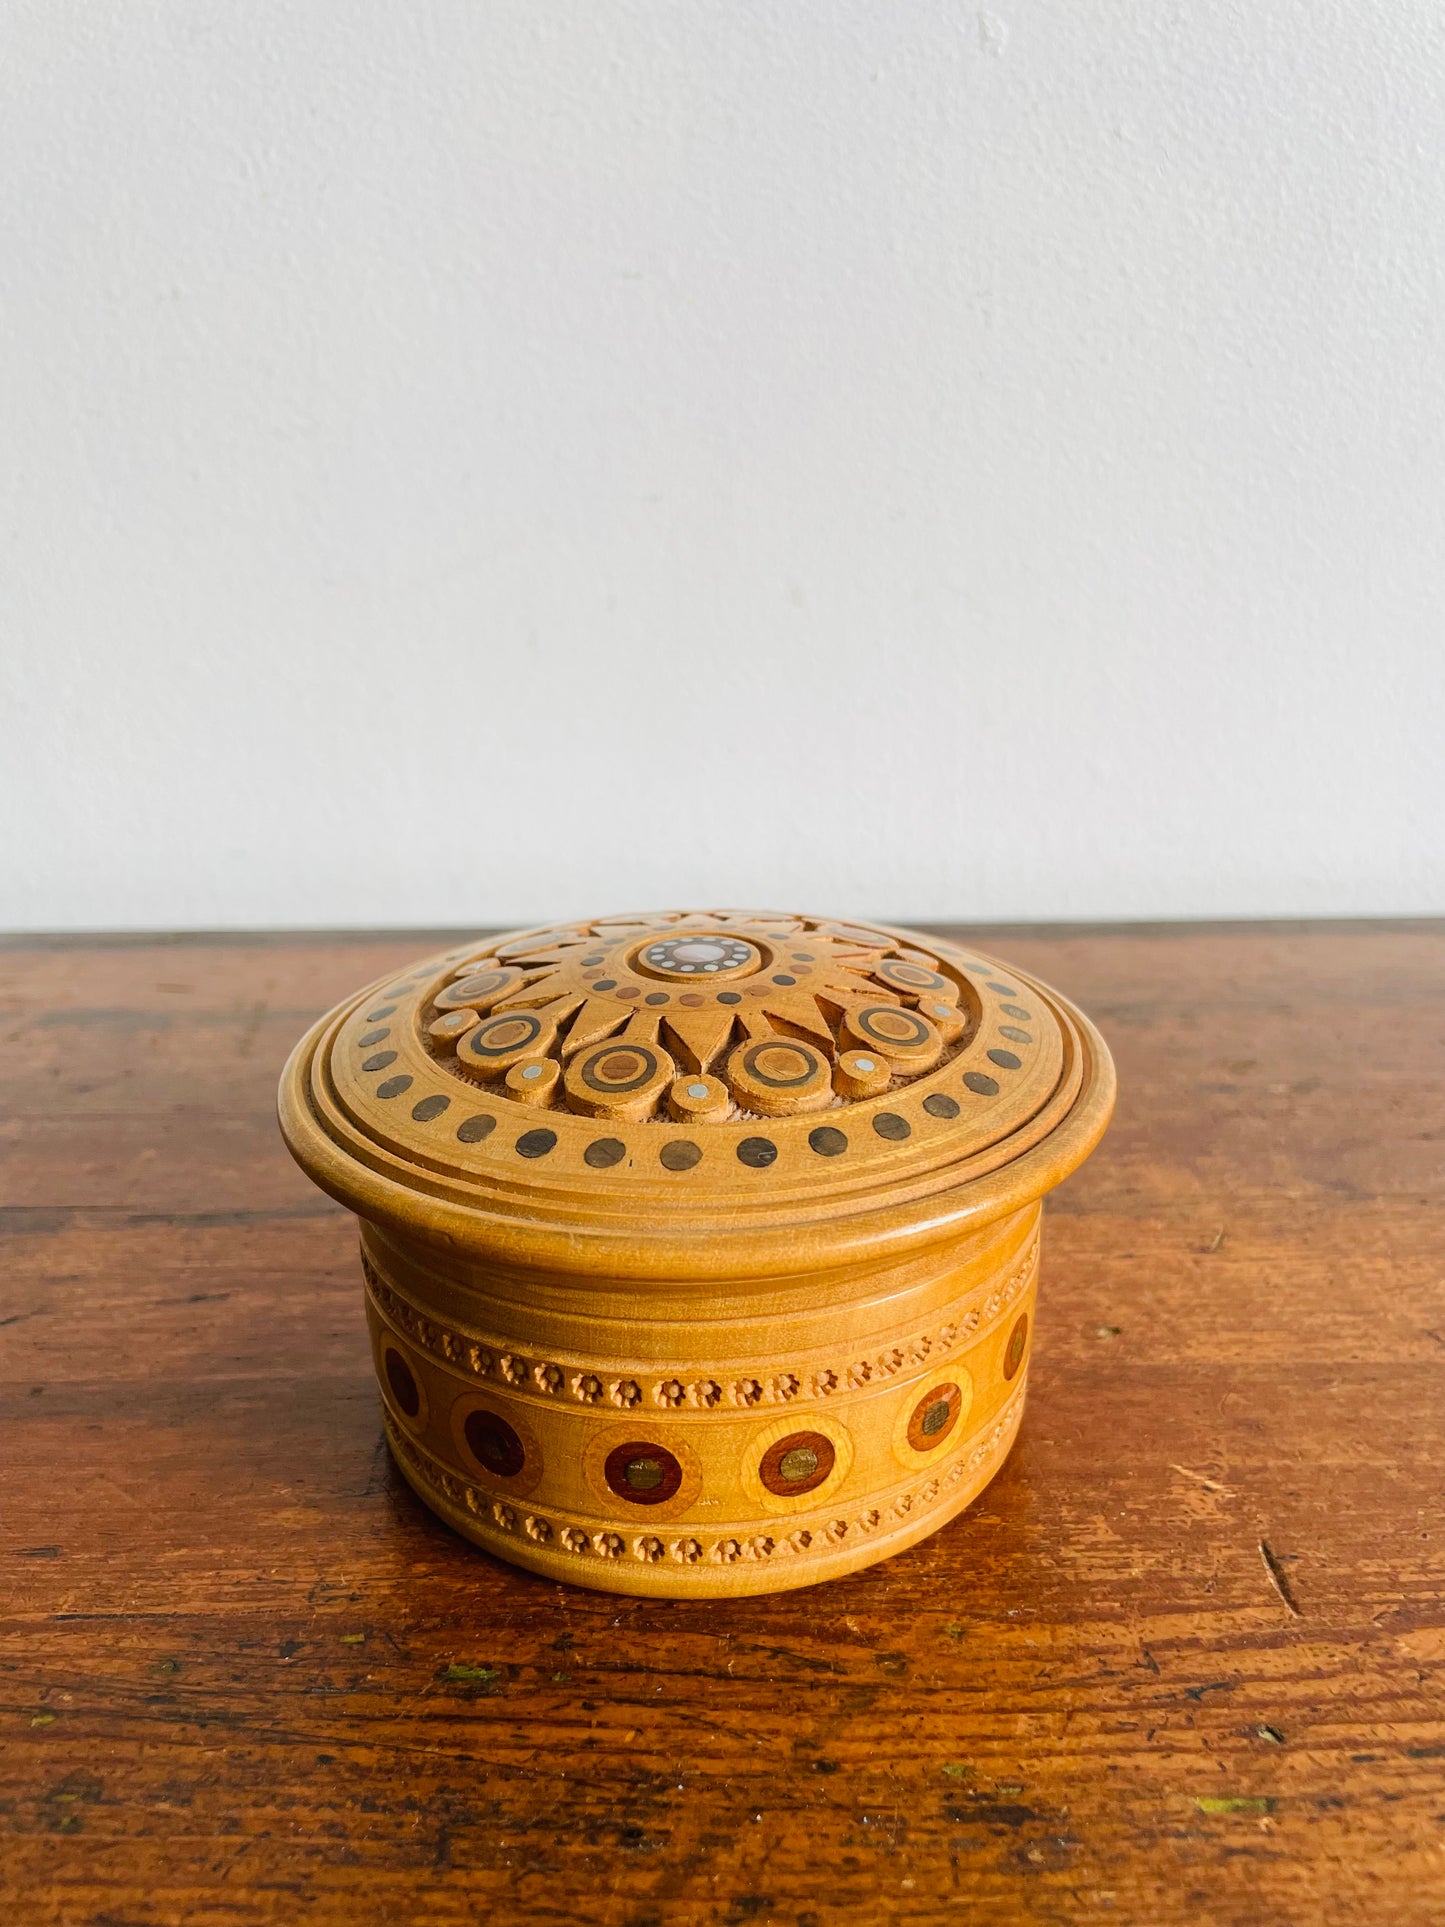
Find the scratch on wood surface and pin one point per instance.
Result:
(1277, 1578)
(1210, 1485)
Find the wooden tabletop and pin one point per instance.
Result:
(1183, 1661)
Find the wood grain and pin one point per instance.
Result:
(1182, 1662)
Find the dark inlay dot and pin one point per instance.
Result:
(593, 963)
(680, 1155)
(375, 1037)
(658, 997)
(494, 1442)
(759, 1152)
(890, 1125)
(802, 956)
(375, 1016)
(403, 1385)
(629, 990)
(785, 979)
(827, 1142)
(380, 1061)
(535, 1144)
(1005, 1059)
(940, 1105)
(1018, 1339)
(729, 997)
(1015, 1010)
(979, 1084)
(603, 1152)
(605, 983)
(1004, 990)
(429, 1108)
(934, 1418)
(472, 1130)
(1012, 1030)
(394, 1086)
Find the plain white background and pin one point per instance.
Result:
(482, 461)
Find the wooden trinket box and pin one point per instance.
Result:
(700, 1248)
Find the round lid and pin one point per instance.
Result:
(696, 1093)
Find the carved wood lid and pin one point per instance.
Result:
(696, 1093)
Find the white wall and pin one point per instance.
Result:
(496, 458)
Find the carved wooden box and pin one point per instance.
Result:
(700, 1249)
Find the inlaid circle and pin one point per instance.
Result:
(494, 1443)
(797, 1463)
(757, 1152)
(1018, 1340)
(934, 1416)
(642, 1473)
(827, 1141)
(618, 1069)
(402, 1380)
(899, 974)
(698, 955)
(478, 990)
(603, 1152)
(906, 1040)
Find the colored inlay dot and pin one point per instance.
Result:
(800, 1463)
(980, 1085)
(535, 1144)
(603, 1152)
(472, 1130)
(680, 1155)
(827, 1142)
(697, 1090)
(533, 1070)
(864, 1064)
(393, 1087)
(935, 1418)
(643, 1475)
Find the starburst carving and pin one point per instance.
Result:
(698, 1017)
